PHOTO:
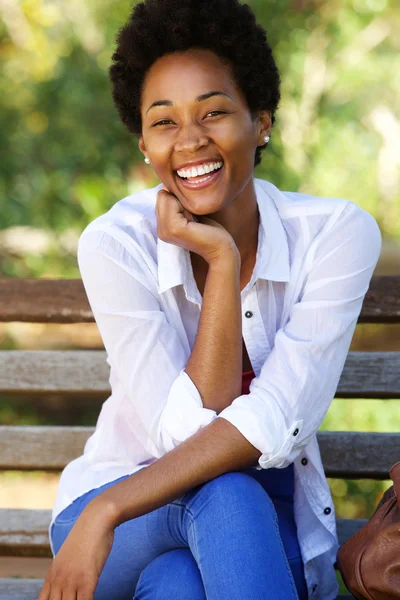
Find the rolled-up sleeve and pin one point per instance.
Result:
(143, 348)
(289, 399)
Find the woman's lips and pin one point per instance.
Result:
(214, 176)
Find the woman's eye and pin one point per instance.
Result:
(212, 112)
(217, 112)
(161, 122)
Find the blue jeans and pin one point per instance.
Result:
(231, 538)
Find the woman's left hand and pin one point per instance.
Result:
(75, 570)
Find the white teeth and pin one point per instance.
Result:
(201, 170)
(201, 179)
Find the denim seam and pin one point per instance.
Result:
(285, 557)
(192, 524)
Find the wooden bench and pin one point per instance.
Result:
(348, 455)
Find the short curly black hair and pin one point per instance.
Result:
(159, 27)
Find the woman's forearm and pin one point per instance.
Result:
(215, 364)
(213, 450)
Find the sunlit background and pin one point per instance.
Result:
(66, 158)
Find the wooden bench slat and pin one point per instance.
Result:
(46, 372)
(382, 301)
(44, 301)
(65, 301)
(349, 455)
(46, 448)
(28, 589)
(86, 372)
(348, 527)
(24, 532)
(370, 375)
(358, 455)
(20, 589)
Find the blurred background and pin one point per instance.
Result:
(66, 158)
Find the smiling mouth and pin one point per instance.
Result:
(200, 181)
(200, 178)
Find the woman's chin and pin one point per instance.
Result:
(204, 205)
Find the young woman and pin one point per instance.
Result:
(227, 308)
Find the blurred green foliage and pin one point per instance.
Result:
(66, 158)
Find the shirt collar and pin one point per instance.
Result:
(272, 261)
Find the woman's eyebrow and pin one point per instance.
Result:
(198, 99)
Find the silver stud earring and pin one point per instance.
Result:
(147, 160)
(266, 139)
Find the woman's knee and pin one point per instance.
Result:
(174, 574)
(236, 489)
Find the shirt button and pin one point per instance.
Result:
(304, 461)
(248, 314)
(327, 510)
(296, 431)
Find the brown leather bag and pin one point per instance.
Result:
(370, 560)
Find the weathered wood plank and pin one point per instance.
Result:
(354, 455)
(44, 301)
(28, 589)
(61, 371)
(20, 589)
(382, 301)
(65, 301)
(24, 532)
(350, 455)
(370, 375)
(41, 448)
(365, 374)
(348, 527)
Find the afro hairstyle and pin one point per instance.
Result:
(226, 27)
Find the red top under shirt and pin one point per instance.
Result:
(247, 376)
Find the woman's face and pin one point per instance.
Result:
(186, 128)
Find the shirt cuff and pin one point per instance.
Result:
(265, 429)
(183, 414)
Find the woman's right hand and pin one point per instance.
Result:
(199, 234)
(75, 570)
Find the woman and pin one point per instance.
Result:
(227, 308)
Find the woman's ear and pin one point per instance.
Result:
(142, 146)
(264, 125)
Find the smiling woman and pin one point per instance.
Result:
(226, 308)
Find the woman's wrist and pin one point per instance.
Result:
(231, 257)
(103, 510)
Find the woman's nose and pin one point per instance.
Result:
(190, 138)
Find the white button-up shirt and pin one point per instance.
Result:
(315, 259)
